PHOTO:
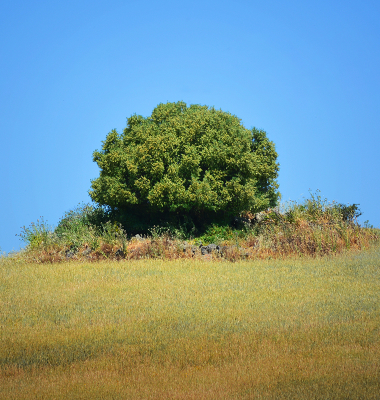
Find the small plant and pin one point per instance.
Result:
(217, 234)
(37, 234)
(367, 225)
(313, 210)
(349, 213)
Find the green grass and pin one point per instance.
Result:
(191, 329)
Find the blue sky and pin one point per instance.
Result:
(305, 72)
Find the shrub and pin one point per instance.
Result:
(218, 234)
(37, 235)
(80, 219)
(314, 227)
(349, 213)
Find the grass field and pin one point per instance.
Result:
(192, 329)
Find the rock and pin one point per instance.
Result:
(70, 254)
(87, 251)
(260, 216)
(204, 250)
(241, 222)
(228, 250)
(248, 220)
(223, 250)
(186, 247)
(119, 253)
(211, 248)
(271, 214)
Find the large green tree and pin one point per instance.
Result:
(182, 160)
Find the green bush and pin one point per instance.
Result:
(82, 225)
(320, 211)
(349, 213)
(37, 235)
(184, 166)
(216, 234)
(80, 219)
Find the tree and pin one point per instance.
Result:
(193, 162)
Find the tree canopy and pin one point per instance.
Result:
(189, 160)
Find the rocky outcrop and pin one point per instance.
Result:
(222, 251)
(249, 220)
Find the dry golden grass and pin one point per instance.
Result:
(191, 329)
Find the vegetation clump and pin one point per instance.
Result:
(312, 228)
(191, 181)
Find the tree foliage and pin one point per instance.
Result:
(186, 160)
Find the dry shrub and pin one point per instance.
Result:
(304, 238)
(46, 256)
(301, 238)
(158, 247)
(104, 251)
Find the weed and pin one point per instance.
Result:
(37, 235)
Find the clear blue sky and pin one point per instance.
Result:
(307, 72)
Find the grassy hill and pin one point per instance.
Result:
(191, 328)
